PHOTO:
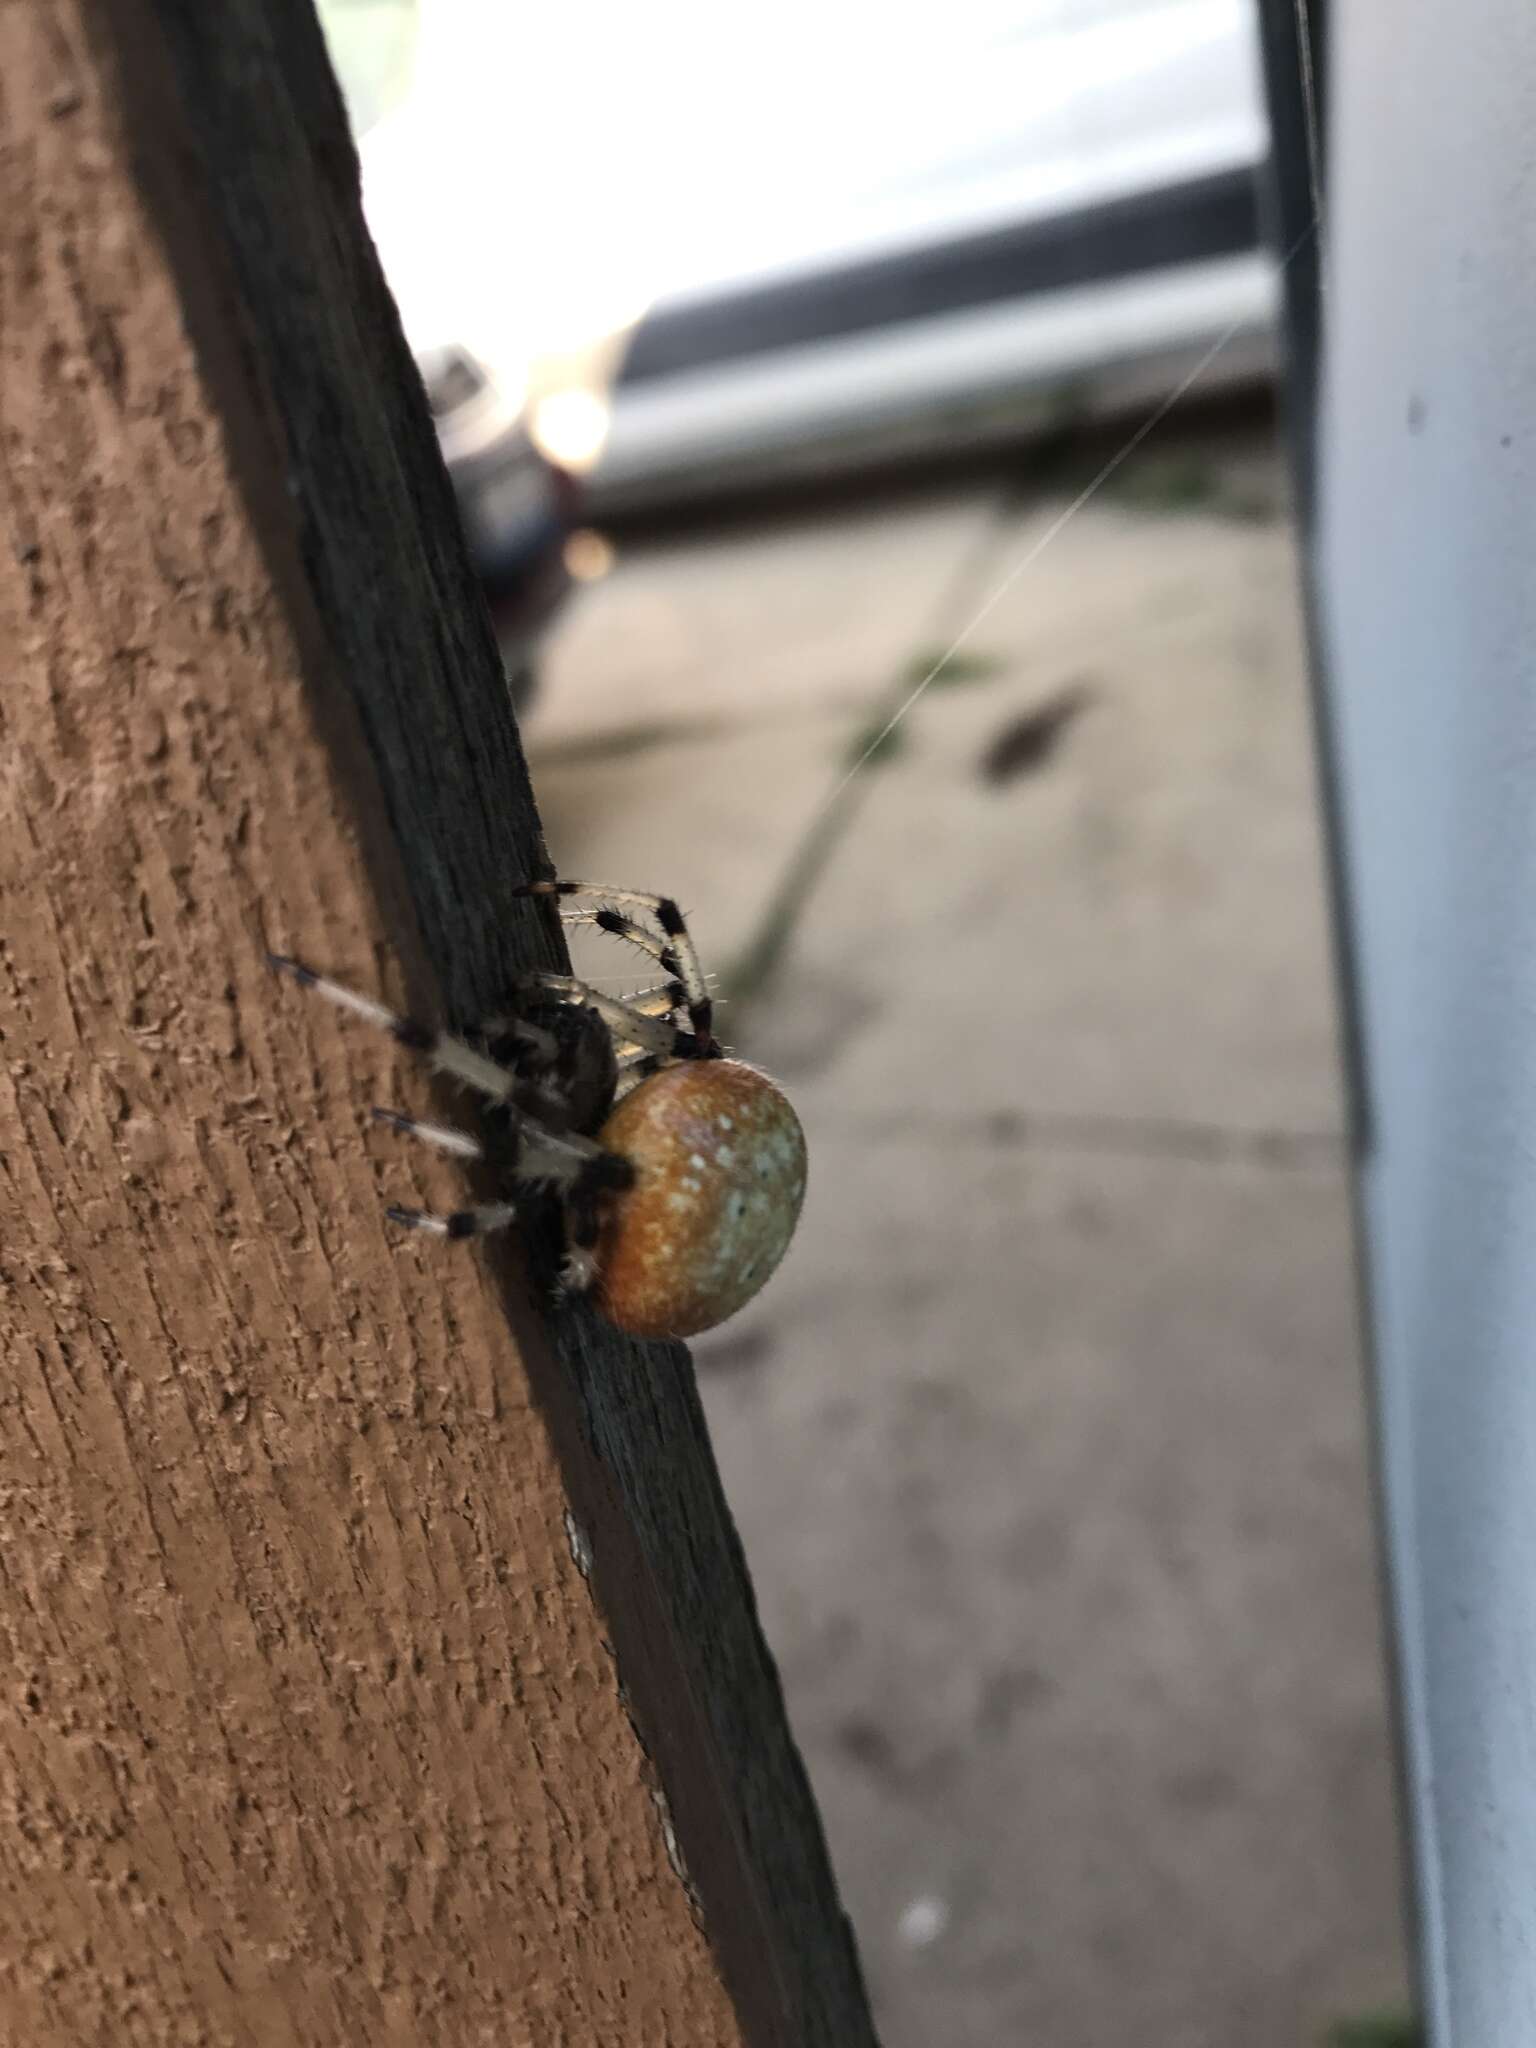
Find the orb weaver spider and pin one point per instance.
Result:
(680, 1170)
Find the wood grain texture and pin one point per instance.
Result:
(311, 1728)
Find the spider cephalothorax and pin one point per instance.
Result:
(681, 1171)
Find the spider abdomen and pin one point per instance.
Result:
(719, 1162)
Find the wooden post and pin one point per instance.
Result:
(377, 1660)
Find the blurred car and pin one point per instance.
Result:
(1038, 211)
(870, 234)
(518, 509)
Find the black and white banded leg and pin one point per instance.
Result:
(442, 1137)
(677, 955)
(444, 1053)
(581, 1170)
(648, 1031)
(527, 1151)
(648, 942)
(530, 1150)
(476, 1222)
(479, 1222)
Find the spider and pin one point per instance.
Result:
(680, 1170)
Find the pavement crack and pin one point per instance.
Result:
(760, 959)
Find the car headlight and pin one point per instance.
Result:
(570, 427)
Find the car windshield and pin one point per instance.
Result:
(372, 45)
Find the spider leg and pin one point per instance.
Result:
(600, 1173)
(668, 996)
(536, 1151)
(568, 1160)
(442, 1136)
(629, 1026)
(673, 924)
(528, 1152)
(458, 1222)
(583, 1226)
(633, 934)
(448, 1055)
(634, 1067)
(581, 1169)
(658, 1001)
(637, 1056)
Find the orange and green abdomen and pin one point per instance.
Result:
(719, 1159)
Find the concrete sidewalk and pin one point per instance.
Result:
(1046, 1445)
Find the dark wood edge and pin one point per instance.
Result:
(238, 134)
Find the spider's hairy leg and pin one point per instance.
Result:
(527, 1151)
(451, 1056)
(680, 944)
(578, 1269)
(584, 1172)
(567, 1160)
(609, 1174)
(583, 1223)
(630, 1026)
(619, 926)
(457, 1222)
(659, 1001)
(443, 1137)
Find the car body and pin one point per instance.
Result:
(746, 256)
(1068, 226)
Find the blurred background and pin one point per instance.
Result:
(785, 370)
